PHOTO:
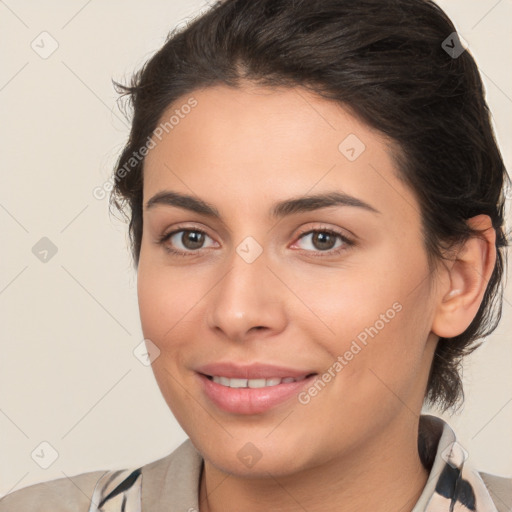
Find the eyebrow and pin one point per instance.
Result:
(279, 210)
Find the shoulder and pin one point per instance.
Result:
(69, 494)
(172, 479)
(500, 489)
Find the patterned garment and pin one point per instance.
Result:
(453, 484)
(118, 491)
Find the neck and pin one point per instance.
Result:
(384, 475)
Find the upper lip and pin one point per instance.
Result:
(251, 371)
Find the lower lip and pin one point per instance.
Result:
(251, 400)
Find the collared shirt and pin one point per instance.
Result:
(171, 484)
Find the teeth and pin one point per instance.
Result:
(253, 383)
(224, 381)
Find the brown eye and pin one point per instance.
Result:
(324, 240)
(184, 242)
(192, 239)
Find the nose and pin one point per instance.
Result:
(249, 298)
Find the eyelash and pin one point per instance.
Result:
(348, 243)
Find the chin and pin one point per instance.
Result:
(241, 465)
(240, 456)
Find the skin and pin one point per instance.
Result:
(354, 445)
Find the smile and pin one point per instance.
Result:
(253, 383)
(242, 396)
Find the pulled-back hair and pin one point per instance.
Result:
(398, 66)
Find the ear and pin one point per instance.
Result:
(466, 280)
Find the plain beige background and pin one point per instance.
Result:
(68, 374)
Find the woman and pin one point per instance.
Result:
(316, 212)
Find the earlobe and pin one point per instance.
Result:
(468, 275)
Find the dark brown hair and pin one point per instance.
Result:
(397, 65)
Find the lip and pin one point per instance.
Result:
(251, 400)
(251, 371)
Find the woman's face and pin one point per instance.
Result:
(274, 286)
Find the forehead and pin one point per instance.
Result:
(259, 145)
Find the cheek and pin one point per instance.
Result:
(153, 297)
(166, 301)
(360, 301)
(398, 359)
(378, 321)
(163, 307)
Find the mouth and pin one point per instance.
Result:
(252, 389)
(255, 383)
